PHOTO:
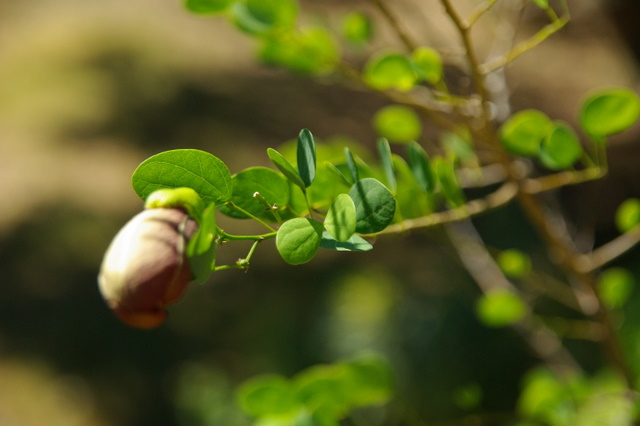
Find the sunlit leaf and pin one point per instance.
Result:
(369, 381)
(306, 157)
(421, 167)
(428, 64)
(191, 168)
(256, 190)
(311, 51)
(390, 71)
(412, 201)
(514, 263)
(336, 171)
(445, 171)
(351, 165)
(375, 205)
(298, 240)
(267, 395)
(357, 28)
(608, 112)
(499, 308)
(397, 123)
(523, 133)
(201, 249)
(207, 6)
(341, 218)
(615, 286)
(285, 167)
(542, 393)
(260, 17)
(560, 148)
(384, 150)
(628, 215)
(323, 386)
(355, 243)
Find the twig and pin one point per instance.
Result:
(526, 45)
(608, 252)
(480, 10)
(404, 37)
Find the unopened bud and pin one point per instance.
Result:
(145, 268)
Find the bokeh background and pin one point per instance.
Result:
(88, 90)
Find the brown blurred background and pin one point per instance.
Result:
(90, 89)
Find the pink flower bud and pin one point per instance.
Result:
(145, 268)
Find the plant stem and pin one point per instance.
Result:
(257, 219)
(404, 37)
(229, 237)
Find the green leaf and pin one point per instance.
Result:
(384, 150)
(207, 6)
(514, 263)
(201, 249)
(500, 307)
(412, 201)
(523, 133)
(298, 240)
(615, 286)
(610, 111)
(357, 28)
(369, 381)
(312, 51)
(355, 243)
(397, 123)
(341, 218)
(351, 164)
(285, 167)
(628, 215)
(561, 148)
(259, 17)
(271, 188)
(428, 64)
(268, 395)
(445, 170)
(390, 71)
(338, 173)
(421, 167)
(306, 157)
(375, 205)
(323, 387)
(190, 168)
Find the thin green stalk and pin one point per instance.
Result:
(229, 237)
(480, 10)
(257, 219)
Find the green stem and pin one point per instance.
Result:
(257, 219)
(229, 237)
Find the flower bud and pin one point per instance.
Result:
(145, 267)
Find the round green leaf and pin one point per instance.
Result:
(375, 205)
(267, 395)
(298, 240)
(207, 6)
(428, 64)
(341, 218)
(397, 123)
(608, 112)
(523, 133)
(499, 308)
(615, 286)
(323, 386)
(514, 263)
(560, 148)
(357, 28)
(390, 71)
(271, 188)
(190, 168)
(628, 215)
(421, 167)
(260, 17)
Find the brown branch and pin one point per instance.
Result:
(608, 252)
(409, 44)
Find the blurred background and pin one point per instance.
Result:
(88, 90)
